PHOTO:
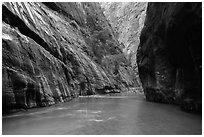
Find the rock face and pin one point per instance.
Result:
(127, 20)
(169, 56)
(53, 52)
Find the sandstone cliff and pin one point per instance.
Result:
(169, 56)
(53, 52)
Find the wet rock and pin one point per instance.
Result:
(169, 56)
(53, 52)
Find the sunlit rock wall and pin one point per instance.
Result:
(127, 20)
(53, 52)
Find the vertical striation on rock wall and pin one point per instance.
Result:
(169, 56)
(127, 20)
(53, 52)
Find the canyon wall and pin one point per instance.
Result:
(127, 20)
(53, 52)
(169, 56)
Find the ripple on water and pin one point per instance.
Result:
(90, 111)
(96, 120)
(104, 116)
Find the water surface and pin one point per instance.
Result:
(110, 115)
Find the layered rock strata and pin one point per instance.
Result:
(53, 52)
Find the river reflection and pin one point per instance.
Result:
(104, 115)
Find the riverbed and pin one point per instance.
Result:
(107, 115)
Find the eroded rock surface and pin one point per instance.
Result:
(127, 20)
(169, 57)
(53, 52)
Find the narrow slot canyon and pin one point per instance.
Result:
(102, 68)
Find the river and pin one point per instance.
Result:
(107, 115)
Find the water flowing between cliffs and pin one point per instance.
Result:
(104, 115)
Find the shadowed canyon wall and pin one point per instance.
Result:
(169, 56)
(53, 52)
